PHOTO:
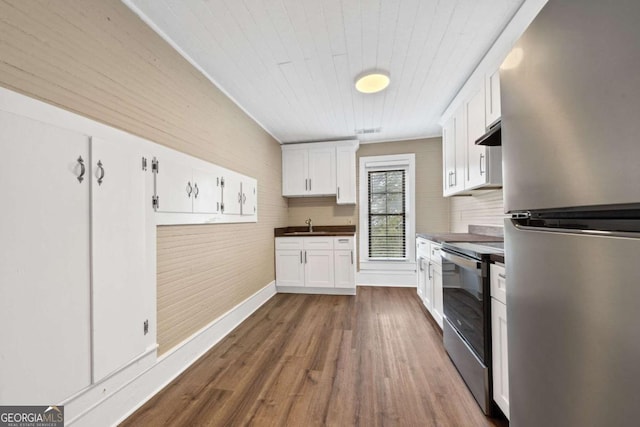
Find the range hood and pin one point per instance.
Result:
(493, 137)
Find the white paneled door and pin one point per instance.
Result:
(319, 265)
(45, 261)
(206, 191)
(119, 207)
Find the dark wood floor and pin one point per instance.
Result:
(303, 360)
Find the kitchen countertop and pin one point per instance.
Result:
(318, 230)
(497, 258)
(459, 237)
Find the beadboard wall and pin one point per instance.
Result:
(98, 59)
(484, 208)
(432, 210)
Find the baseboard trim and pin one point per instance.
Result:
(116, 407)
(393, 278)
(322, 291)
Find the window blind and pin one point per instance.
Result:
(387, 225)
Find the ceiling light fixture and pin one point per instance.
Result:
(372, 81)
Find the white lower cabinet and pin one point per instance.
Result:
(499, 339)
(315, 262)
(72, 260)
(429, 273)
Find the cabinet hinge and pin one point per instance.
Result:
(144, 163)
(145, 327)
(222, 181)
(222, 207)
(155, 165)
(155, 202)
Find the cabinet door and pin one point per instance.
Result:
(289, 267)
(231, 194)
(45, 347)
(249, 196)
(500, 355)
(449, 155)
(118, 231)
(476, 154)
(492, 104)
(436, 280)
(318, 268)
(206, 190)
(322, 171)
(295, 180)
(421, 278)
(345, 175)
(174, 185)
(428, 286)
(344, 269)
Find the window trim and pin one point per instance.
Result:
(387, 162)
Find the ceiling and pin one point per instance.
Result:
(291, 64)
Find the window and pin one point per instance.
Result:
(387, 219)
(387, 207)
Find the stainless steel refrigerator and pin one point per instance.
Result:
(571, 158)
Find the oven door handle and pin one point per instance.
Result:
(467, 263)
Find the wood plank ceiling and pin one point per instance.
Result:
(291, 64)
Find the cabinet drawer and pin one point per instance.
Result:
(422, 248)
(318, 243)
(434, 253)
(343, 243)
(498, 282)
(289, 243)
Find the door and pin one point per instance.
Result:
(174, 185)
(421, 278)
(289, 267)
(428, 286)
(345, 175)
(294, 172)
(45, 276)
(436, 282)
(249, 196)
(576, 297)
(322, 171)
(231, 194)
(449, 153)
(319, 269)
(492, 104)
(570, 129)
(206, 190)
(118, 234)
(344, 269)
(476, 154)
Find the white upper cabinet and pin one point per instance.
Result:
(192, 191)
(206, 190)
(492, 98)
(309, 170)
(320, 169)
(476, 154)
(454, 153)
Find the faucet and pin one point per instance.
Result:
(310, 224)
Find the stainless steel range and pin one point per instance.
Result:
(467, 325)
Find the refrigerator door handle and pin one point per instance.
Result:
(603, 233)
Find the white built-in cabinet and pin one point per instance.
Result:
(492, 97)
(320, 169)
(429, 277)
(346, 173)
(73, 261)
(467, 166)
(499, 340)
(311, 264)
(188, 190)
(81, 202)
